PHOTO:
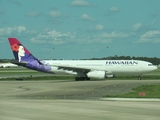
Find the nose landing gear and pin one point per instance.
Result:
(140, 77)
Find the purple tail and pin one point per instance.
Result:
(20, 53)
(24, 58)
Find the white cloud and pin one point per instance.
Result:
(150, 36)
(54, 33)
(54, 37)
(56, 14)
(87, 17)
(153, 22)
(81, 3)
(114, 9)
(16, 31)
(93, 39)
(136, 26)
(11, 30)
(33, 14)
(57, 38)
(114, 35)
(101, 38)
(20, 28)
(38, 40)
(98, 27)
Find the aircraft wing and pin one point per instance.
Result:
(73, 68)
(77, 68)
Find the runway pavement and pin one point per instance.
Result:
(70, 100)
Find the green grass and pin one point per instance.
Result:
(24, 73)
(144, 77)
(15, 70)
(38, 78)
(155, 71)
(151, 91)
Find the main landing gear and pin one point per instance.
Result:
(140, 77)
(81, 78)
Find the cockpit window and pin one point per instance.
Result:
(150, 64)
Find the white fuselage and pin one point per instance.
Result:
(109, 66)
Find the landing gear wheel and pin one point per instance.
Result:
(140, 77)
(77, 79)
(87, 78)
(81, 78)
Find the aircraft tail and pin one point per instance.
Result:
(21, 54)
(24, 58)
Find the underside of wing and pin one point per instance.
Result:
(74, 69)
(19, 63)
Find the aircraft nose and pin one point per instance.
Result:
(156, 67)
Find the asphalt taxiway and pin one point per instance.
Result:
(67, 100)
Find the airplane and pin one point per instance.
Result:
(81, 69)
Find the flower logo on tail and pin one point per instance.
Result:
(15, 47)
(18, 51)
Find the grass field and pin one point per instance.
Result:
(144, 91)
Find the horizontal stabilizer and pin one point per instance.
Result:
(19, 63)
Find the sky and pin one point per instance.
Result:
(81, 29)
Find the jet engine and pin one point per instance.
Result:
(97, 74)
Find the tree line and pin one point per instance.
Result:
(153, 60)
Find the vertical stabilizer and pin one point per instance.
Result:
(24, 58)
(20, 53)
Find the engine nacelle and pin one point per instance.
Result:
(109, 76)
(97, 74)
(71, 72)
